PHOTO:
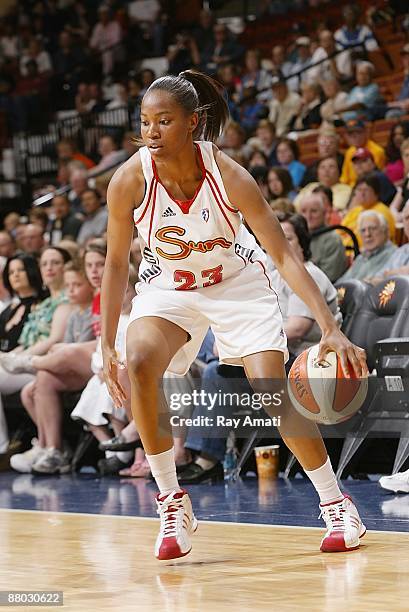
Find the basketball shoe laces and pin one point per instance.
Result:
(334, 516)
(171, 512)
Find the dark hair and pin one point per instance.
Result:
(326, 190)
(293, 146)
(64, 254)
(32, 270)
(197, 93)
(392, 152)
(371, 180)
(286, 181)
(301, 229)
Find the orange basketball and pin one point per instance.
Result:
(320, 392)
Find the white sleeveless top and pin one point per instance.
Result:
(196, 243)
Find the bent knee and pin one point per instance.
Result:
(144, 363)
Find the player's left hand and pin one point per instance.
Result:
(335, 340)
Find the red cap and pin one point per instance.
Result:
(362, 153)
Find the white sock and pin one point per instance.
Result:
(325, 483)
(163, 470)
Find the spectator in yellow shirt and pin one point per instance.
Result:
(357, 137)
(366, 197)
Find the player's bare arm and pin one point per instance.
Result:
(125, 193)
(245, 194)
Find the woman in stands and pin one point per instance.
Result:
(22, 280)
(202, 267)
(44, 326)
(67, 368)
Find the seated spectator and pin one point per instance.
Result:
(183, 54)
(32, 240)
(335, 100)
(394, 168)
(284, 105)
(366, 197)
(328, 143)
(250, 110)
(95, 407)
(96, 216)
(352, 32)
(30, 95)
(78, 179)
(67, 151)
(222, 49)
(376, 248)
(364, 101)
(7, 244)
(357, 137)
(328, 175)
(10, 223)
(280, 184)
(69, 61)
(332, 216)
(105, 38)
(402, 195)
(36, 53)
(302, 62)
(280, 66)
(110, 155)
(337, 67)
(64, 224)
(38, 216)
(43, 327)
(233, 143)
(363, 162)
(22, 280)
(67, 368)
(398, 263)
(287, 157)
(300, 326)
(257, 159)
(399, 107)
(203, 32)
(146, 15)
(308, 116)
(266, 141)
(327, 250)
(253, 74)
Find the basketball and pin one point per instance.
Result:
(320, 392)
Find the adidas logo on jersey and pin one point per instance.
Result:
(169, 212)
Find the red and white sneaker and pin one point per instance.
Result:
(344, 526)
(177, 523)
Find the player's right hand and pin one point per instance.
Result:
(111, 366)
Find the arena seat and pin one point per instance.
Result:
(381, 326)
(351, 294)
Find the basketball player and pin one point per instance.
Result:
(201, 268)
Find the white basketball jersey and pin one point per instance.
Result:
(194, 243)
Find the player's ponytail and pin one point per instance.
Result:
(198, 93)
(213, 109)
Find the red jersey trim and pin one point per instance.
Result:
(184, 205)
(265, 274)
(233, 210)
(220, 206)
(147, 203)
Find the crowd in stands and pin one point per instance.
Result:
(84, 57)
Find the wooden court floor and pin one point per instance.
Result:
(106, 563)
